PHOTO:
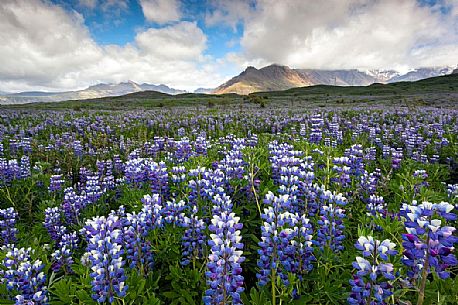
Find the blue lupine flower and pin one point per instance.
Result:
(72, 205)
(25, 170)
(331, 228)
(317, 123)
(194, 238)
(53, 223)
(371, 283)
(138, 249)
(62, 256)
(224, 275)
(152, 209)
(56, 183)
(158, 178)
(104, 236)
(376, 206)
(25, 276)
(427, 240)
(286, 242)
(8, 230)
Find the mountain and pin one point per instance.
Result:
(421, 73)
(204, 90)
(455, 71)
(276, 77)
(92, 92)
(439, 91)
(270, 78)
(383, 75)
(32, 93)
(161, 88)
(351, 77)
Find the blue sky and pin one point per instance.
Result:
(119, 25)
(71, 44)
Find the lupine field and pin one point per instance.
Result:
(260, 206)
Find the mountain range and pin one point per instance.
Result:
(270, 78)
(276, 77)
(96, 91)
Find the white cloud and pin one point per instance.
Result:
(350, 34)
(42, 42)
(182, 41)
(229, 12)
(161, 11)
(45, 47)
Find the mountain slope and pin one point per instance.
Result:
(276, 77)
(337, 77)
(439, 85)
(270, 78)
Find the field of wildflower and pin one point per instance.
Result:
(261, 206)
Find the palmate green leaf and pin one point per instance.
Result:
(84, 297)
(6, 302)
(255, 297)
(64, 290)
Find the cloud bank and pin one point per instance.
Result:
(364, 34)
(46, 46)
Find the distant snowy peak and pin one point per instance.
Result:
(421, 73)
(276, 77)
(383, 75)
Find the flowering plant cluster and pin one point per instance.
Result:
(372, 283)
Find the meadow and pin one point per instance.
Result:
(208, 205)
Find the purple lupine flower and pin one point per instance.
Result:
(303, 245)
(56, 183)
(372, 282)
(286, 242)
(158, 178)
(224, 275)
(396, 157)
(53, 223)
(25, 169)
(200, 146)
(62, 256)
(173, 212)
(8, 218)
(343, 170)
(420, 180)
(183, 150)
(428, 243)
(331, 228)
(25, 276)
(452, 192)
(376, 206)
(178, 174)
(153, 210)
(317, 123)
(369, 183)
(194, 238)
(104, 237)
(72, 205)
(93, 189)
(138, 249)
(78, 149)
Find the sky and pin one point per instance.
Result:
(59, 45)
